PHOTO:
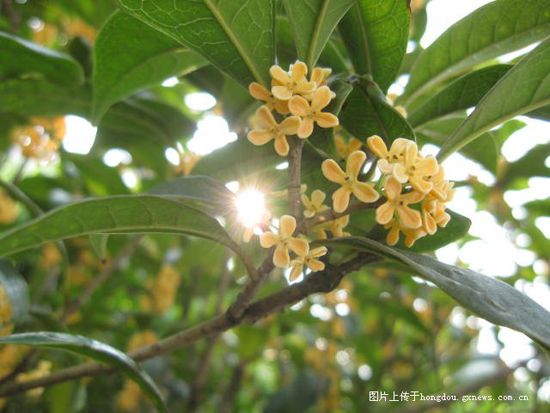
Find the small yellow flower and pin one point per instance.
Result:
(43, 369)
(261, 93)
(50, 255)
(345, 149)
(287, 84)
(312, 113)
(411, 235)
(387, 158)
(162, 290)
(336, 227)
(269, 130)
(315, 204)
(319, 76)
(6, 312)
(284, 193)
(433, 209)
(309, 259)
(348, 181)
(284, 241)
(398, 202)
(415, 169)
(8, 209)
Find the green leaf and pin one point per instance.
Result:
(202, 191)
(540, 113)
(463, 93)
(488, 297)
(26, 59)
(376, 34)
(491, 31)
(98, 244)
(485, 150)
(237, 37)
(17, 291)
(96, 350)
(366, 113)
(531, 164)
(130, 55)
(524, 88)
(312, 23)
(115, 215)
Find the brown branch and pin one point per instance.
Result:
(295, 176)
(321, 282)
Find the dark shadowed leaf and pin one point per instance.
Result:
(17, 291)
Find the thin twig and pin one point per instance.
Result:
(226, 404)
(321, 282)
(295, 176)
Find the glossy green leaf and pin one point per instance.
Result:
(524, 88)
(16, 290)
(492, 30)
(312, 23)
(540, 113)
(130, 55)
(464, 93)
(533, 163)
(492, 299)
(26, 59)
(366, 113)
(96, 350)
(237, 37)
(376, 34)
(115, 215)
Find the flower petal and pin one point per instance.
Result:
(400, 173)
(340, 199)
(268, 239)
(317, 252)
(299, 246)
(298, 71)
(315, 265)
(279, 74)
(377, 145)
(290, 125)
(259, 137)
(299, 106)
(365, 192)
(412, 197)
(393, 236)
(355, 162)
(384, 213)
(321, 98)
(326, 120)
(333, 172)
(427, 166)
(421, 185)
(317, 197)
(264, 117)
(258, 91)
(281, 258)
(297, 270)
(287, 225)
(306, 128)
(428, 222)
(281, 92)
(281, 145)
(409, 217)
(385, 167)
(393, 188)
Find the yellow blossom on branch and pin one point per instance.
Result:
(259, 92)
(315, 204)
(8, 209)
(415, 168)
(345, 149)
(336, 227)
(269, 129)
(312, 113)
(411, 234)
(283, 241)
(387, 159)
(348, 180)
(397, 202)
(309, 259)
(287, 84)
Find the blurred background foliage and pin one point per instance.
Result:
(380, 330)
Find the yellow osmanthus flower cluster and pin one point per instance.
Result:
(6, 312)
(162, 290)
(410, 178)
(42, 139)
(8, 209)
(43, 369)
(292, 94)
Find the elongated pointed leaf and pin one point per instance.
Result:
(312, 22)
(464, 93)
(495, 29)
(237, 37)
(376, 34)
(490, 298)
(130, 55)
(96, 350)
(115, 215)
(23, 58)
(366, 113)
(524, 88)
(16, 290)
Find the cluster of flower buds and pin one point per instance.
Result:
(295, 99)
(42, 139)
